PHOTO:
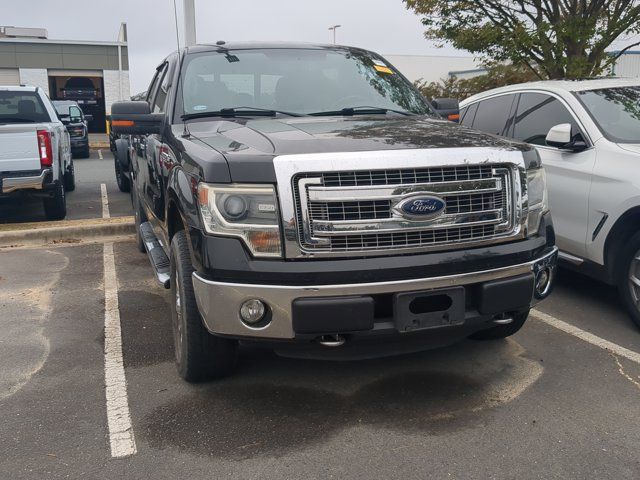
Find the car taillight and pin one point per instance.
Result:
(44, 148)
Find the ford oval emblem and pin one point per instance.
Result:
(422, 207)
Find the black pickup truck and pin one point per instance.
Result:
(309, 198)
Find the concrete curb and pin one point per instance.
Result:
(65, 232)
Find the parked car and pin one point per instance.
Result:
(80, 89)
(309, 198)
(588, 136)
(75, 120)
(35, 157)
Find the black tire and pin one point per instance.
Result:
(503, 331)
(70, 178)
(140, 218)
(124, 184)
(627, 264)
(55, 207)
(199, 355)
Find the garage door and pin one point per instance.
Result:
(9, 76)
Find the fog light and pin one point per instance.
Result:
(543, 282)
(252, 311)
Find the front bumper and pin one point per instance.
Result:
(219, 302)
(34, 181)
(79, 142)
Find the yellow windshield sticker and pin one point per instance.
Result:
(383, 69)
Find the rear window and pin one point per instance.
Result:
(493, 114)
(22, 107)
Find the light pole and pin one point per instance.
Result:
(334, 28)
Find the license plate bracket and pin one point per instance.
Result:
(423, 310)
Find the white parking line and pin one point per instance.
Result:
(121, 438)
(100, 155)
(105, 201)
(586, 336)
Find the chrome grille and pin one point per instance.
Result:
(352, 211)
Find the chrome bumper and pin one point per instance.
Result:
(219, 302)
(12, 184)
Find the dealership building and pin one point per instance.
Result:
(95, 74)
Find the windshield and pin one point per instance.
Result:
(62, 108)
(21, 107)
(616, 111)
(301, 81)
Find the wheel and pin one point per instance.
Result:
(70, 178)
(140, 218)
(628, 277)
(124, 184)
(503, 331)
(55, 207)
(199, 355)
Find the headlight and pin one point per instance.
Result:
(537, 198)
(249, 212)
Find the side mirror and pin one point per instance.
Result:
(122, 153)
(560, 136)
(447, 107)
(135, 118)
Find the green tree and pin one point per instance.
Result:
(498, 75)
(553, 38)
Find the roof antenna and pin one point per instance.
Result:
(185, 132)
(175, 16)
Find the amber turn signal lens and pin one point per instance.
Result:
(453, 117)
(122, 123)
(264, 241)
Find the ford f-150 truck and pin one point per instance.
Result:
(35, 152)
(309, 198)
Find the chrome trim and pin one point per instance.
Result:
(289, 167)
(328, 228)
(11, 184)
(570, 258)
(345, 194)
(219, 302)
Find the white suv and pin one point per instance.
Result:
(588, 135)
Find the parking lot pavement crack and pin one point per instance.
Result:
(622, 371)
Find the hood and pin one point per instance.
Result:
(630, 147)
(250, 145)
(336, 134)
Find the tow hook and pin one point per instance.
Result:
(332, 340)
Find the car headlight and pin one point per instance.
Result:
(537, 198)
(249, 212)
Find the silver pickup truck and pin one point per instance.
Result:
(35, 153)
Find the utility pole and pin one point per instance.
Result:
(189, 22)
(334, 28)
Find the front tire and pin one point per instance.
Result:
(199, 355)
(628, 277)
(502, 331)
(55, 208)
(124, 184)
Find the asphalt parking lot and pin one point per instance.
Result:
(554, 401)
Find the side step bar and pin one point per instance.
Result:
(157, 257)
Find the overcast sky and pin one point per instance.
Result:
(384, 26)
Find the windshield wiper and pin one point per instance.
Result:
(239, 112)
(350, 111)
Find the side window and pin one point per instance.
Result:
(468, 114)
(493, 114)
(535, 116)
(160, 97)
(152, 86)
